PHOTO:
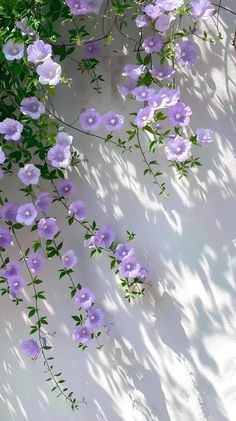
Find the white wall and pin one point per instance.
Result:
(172, 355)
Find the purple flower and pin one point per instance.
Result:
(36, 262)
(8, 211)
(84, 298)
(104, 237)
(166, 97)
(143, 273)
(29, 174)
(141, 21)
(39, 51)
(113, 121)
(204, 135)
(122, 251)
(22, 25)
(2, 156)
(66, 188)
(49, 73)
(127, 88)
(169, 4)
(78, 209)
(163, 22)
(178, 149)
(11, 269)
(11, 129)
(64, 139)
(162, 72)
(43, 202)
(152, 44)
(30, 348)
(202, 9)
(47, 228)
(69, 259)
(153, 11)
(90, 120)
(13, 51)
(83, 7)
(26, 214)
(15, 284)
(5, 238)
(129, 267)
(32, 107)
(144, 116)
(179, 114)
(82, 334)
(92, 50)
(133, 71)
(143, 93)
(185, 53)
(95, 318)
(59, 156)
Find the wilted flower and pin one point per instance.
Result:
(95, 318)
(113, 121)
(15, 284)
(90, 120)
(5, 238)
(82, 334)
(64, 139)
(143, 93)
(178, 149)
(65, 188)
(49, 73)
(162, 71)
(204, 135)
(30, 348)
(32, 107)
(36, 262)
(26, 214)
(39, 51)
(152, 44)
(129, 267)
(47, 228)
(8, 211)
(11, 269)
(122, 251)
(60, 156)
(29, 174)
(92, 50)
(13, 51)
(78, 209)
(202, 9)
(179, 114)
(69, 259)
(133, 71)
(144, 116)
(104, 237)
(141, 21)
(11, 129)
(185, 53)
(43, 201)
(22, 25)
(84, 298)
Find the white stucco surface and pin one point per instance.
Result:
(172, 354)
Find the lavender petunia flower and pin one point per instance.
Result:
(11, 129)
(13, 51)
(15, 284)
(127, 88)
(90, 120)
(95, 318)
(143, 93)
(36, 262)
(178, 149)
(78, 209)
(5, 238)
(84, 298)
(43, 201)
(204, 135)
(122, 251)
(163, 22)
(144, 116)
(47, 228)
(30, 348)
(162, 72)
(152, 10)
(185, 53)
(143, 273)
(8, 211)
(179, 114)
(169, 5)
(83, 7)
(133, 71)
(152, 44)
(92, 50)
(69, 259)
(113, 121)
(82, 334)
(202, 9)
(60, 156)
(64, 139)
(2, 156)
(142, 21)
(129, 267)
(166, 97)
(32, 107)
(49, 73)
(11, 269)
(26, 214)
(104, 237)
(29, 174)
(22, 25)
(66, 188)
(39, 51)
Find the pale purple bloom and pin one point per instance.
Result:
(11, 129)
(144, 116)
(129, 267)
(133, 71)
(29, 174)
(178, 149)
(49, 73)
(122, 251)
(185, 53)
(15, 284)
(166, 97)
(39, 51)
(44, 201)
(141, 21)
(8, 211)
(90, 120)
(95, 318)
(26, 214)
(2, 156)
(69, 259)
(104, 237)
(36, 262)
(143, 93)
(127, 88)
(13, 51)
(22, 25)
(64, 139)
(11, 269)
(163, 22)
(169, 4)
(179, 114)
(202, 9)
(92, 50)
(47, 228)
(162, 71)
(78, 209)
(82, 334)
(152, 44)
(65, 188)
(84, 298)
(60, 156)
(5, 238)
(32, 107)
(30, 348)
(143, 273)
(113, 121)
(83, 7)
(204, 135)
(153, 11)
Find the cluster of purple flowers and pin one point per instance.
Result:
(129, 267)
(12, 273)
(91, 120)
(60, 153)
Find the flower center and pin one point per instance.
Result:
(90, 120)
(93, 317)
(123, 253)
(151, 43)
(51, 73)
(178, 149)
(128, 266)
(83, 296)
(183, 54)
(15, 284)
(34, 107)
(34, 261)
(29, 173)
(112, 121)
(160, 74)
(27, 213)
(178, 115)
(143, 94)
(45, 226)
(144, 118)
(205, 137)
(66, 189)
(14, 50)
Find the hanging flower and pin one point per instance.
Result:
(152, 44)
(84, 298)
(32, 107)
(47, 228)
(43, 201)
(78, 209)
(143, 93)
(60, 156)
(65, 188)
(13, 51)
(36, 262)
(104, 237)
(179, 114)
(92, 50)
(129, 267)
(113, 121)
(185, 53)
(204, 135)
(69, 259)
(26, 214)
(144, 116)
(8, 211)
(202, 9)
(95, 318)
(29, 174)
(15, 284)
(49, 73)
(82, 334)
(11, 129)
(90, 120)
(12, 269)
(162, 71)
(39, 52)
(30, 348)
(178, 149)
(122, 251)
(64, 139)
(5, 238)
(22, 25)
